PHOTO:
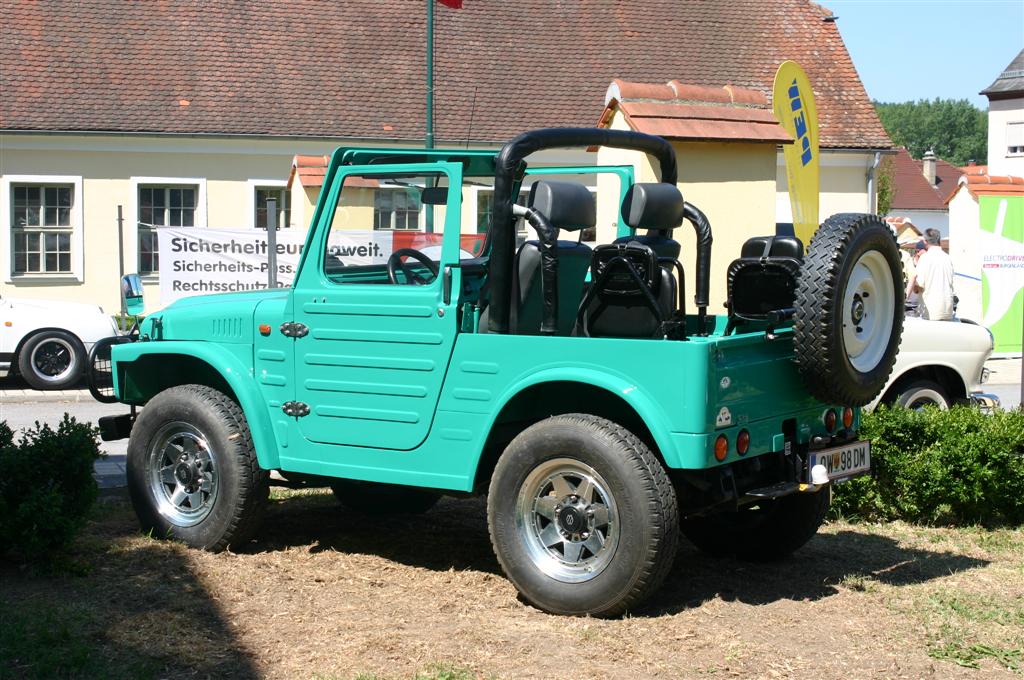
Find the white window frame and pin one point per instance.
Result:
(77, 273)
(131, 237)
(420, 214)
(1016, 125)
(255, 184)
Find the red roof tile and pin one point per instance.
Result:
(912, 189)
(356, 68)
(695, 112)
(994, 185)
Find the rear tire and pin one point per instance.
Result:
(192, 469)
(51, 360)
(582, 516)
(370, 498)
(770, 531)
(849, 309)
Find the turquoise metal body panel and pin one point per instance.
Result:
(403, 389)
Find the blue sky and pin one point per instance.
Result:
(922, 49)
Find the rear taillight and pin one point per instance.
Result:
(830, 420)
(743, 442)
(721, 448)
(847, 417)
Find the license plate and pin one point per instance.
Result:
(844, 461)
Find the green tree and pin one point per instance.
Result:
(953, 128)
(886, 186)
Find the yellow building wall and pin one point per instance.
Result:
(733, 183)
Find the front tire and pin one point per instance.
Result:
(582, 516)
(52, 360)
(192, 469)
(769, 531)
(921, 393)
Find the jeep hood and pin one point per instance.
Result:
(222, 317)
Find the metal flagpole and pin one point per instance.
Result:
(429, 137)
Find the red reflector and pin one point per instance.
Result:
(847, 417)
(721, 448)
(264, 329)
(830, 420)
(743, 442)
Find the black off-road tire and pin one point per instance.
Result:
(191, 412)
(626, 479)
(770, 531)
(833, 367)
(370, 498)
(68, 356)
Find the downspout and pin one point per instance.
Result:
(872, 194)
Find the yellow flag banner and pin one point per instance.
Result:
(793, 101)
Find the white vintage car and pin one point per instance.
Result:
(940, 363)
(47, 342)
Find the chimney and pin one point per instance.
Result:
(928, 166)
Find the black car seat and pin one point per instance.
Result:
(633, 291)
(762, 281)
(568, 206)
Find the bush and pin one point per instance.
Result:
(931, 466)
(46, 488)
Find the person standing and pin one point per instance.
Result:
(934, 279)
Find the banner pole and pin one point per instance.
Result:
(120, 263)
(272, 243)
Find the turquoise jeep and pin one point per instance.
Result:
(569, 384)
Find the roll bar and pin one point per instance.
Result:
(510, 168)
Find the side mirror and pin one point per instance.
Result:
(131, 294)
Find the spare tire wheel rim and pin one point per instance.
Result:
(53, 359)
(867, 311)
(567, 520)
(182, 474)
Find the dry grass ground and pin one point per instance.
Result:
(328, 594)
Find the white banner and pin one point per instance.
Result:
(198, 261)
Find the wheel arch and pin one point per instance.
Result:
(946, 376)
(561, 391)
(142, 370)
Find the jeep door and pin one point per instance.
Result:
(373, 358)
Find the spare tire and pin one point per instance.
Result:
(849, 309)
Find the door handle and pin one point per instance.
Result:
(446, 285)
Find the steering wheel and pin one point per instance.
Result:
(395, 262)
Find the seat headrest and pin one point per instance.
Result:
(567, 205)
(654, 205)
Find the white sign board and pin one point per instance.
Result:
(198, 261)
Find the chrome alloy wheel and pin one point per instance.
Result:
(182, 474)
(868, 306)
(567, 520)
(53, 360)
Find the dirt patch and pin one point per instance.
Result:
(328, 593)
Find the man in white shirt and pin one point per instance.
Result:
(934, 279)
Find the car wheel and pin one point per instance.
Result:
(849, 309)
(921, 393)
(192, 469)
(582, 516)
(383, 499)
(767, 531)
(51, 360)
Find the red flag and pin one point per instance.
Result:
(454, 4)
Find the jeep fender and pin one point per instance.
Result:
(649, 411)
(228, 365)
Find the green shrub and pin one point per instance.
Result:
(932, 466)
(46, 488)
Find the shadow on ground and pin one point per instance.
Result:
(137, 612)
(454, 536)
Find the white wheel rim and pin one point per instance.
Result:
(567, 490)
(53, 360)
(868, 307)
(925, 396)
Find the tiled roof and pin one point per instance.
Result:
(912, 189)
(1010, 82)
(356, 68)
(695, 112)
(309, 170)
(993, 185)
